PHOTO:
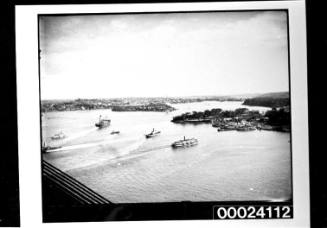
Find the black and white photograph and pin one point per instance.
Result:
(168, 107)
(167, 114)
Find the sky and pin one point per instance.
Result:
(163, 54)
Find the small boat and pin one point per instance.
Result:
(58, 136)
(153, 133)
(115, 132)
(185, 143)
(103, 122)
(45, 148)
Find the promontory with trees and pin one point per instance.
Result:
(243, 119)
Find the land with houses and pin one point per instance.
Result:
(243, 119)
(160, 104)
(118, 105)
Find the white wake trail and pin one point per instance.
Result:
(79, 135)
(110, 140)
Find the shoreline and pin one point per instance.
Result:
(241, 119)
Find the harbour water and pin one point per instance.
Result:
(128, 168)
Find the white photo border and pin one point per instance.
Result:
(29, 110)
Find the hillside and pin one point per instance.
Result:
(272, 100)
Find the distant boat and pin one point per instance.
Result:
(114, 132)
(185, 143)
(45, 148)
(103, 122)
(58, 136)
(153, 133)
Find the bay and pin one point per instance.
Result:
(128, 168)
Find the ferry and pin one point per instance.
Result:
(185, 143)
(152, 134)
(58, 136)
(103, 122)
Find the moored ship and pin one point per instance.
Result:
(226, 128)
(103, 122)
(185, 142)
(246, 128)
(153, 133)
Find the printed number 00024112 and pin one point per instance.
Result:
(253, 212)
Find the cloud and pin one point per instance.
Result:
(212, 52)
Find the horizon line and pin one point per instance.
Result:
(186, 96)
